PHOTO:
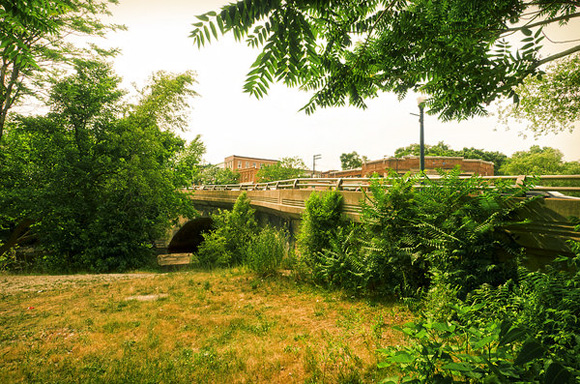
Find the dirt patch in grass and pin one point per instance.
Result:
(10, 284)
(202, 327)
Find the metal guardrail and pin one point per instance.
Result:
(363, 183)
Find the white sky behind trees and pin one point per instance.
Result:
(232, 122)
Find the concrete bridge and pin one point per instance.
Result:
(545, 234)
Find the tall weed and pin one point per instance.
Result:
(321, 221)
(342, 265)
(266, 251)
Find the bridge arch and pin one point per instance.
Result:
(188, 238)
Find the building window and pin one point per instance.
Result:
(254, 165)
(247, 164)
(239, 164)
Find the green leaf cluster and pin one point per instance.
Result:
(321, 220)
(458, 352)
(350, 160)
(214, 175)
(542, 161)
(447, 231)
(539, 161)
(186, 164)
(549, 103)
(524, 331)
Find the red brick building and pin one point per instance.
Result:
(247, 167)
(412, 164)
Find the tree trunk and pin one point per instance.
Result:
(8, 100)
(16, 236)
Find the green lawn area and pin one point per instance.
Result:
(223, 326)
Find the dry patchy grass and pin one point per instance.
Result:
(223, 326)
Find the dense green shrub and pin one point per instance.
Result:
(417, 235)
(546, 303)
(342, 265)
(394, 261)
(266, 251)
(213, 251)
(321, 221)
(234, 230)
(447, 231)
(460, 352)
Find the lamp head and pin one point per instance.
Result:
(421, 100)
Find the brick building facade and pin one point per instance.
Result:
(247, 167)
(412, 164)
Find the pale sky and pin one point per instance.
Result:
(232, 122)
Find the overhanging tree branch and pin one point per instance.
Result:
(543, 22)
(557, 56)
(444, 48)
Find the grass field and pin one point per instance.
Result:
(225, 326)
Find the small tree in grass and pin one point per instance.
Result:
(234, 230)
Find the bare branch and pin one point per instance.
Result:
(543, 22)
(559, 42)
(557, 56)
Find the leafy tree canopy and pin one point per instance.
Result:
(214, 175)
(440, 149)
(95, 179)
(186, 163)
(350, 160)
(455, 51)
(287, 168)
(539, 161)
(166, 99)
(33, 36)
(549, 103)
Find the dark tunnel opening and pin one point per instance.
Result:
(189, 237)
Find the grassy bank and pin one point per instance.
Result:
(203, 327)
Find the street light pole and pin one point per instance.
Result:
(421, 103)
(314, 158)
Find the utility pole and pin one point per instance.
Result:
(314, 158)
(421, 103)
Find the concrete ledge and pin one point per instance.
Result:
(174, 259)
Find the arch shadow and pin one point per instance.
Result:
(189, 237)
